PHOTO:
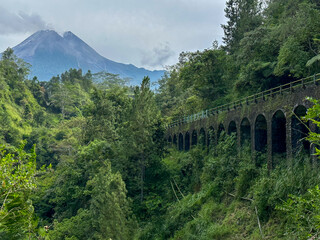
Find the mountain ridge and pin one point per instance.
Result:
(51, 54)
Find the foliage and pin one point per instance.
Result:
(107, 214)
(266, 43)
(243, 16)
(17, 176)
(19, 109)
(313, 116)
(303, 214)
(106, 80)
(69, 93)
(112, 174)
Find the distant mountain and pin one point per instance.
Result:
(51, 54)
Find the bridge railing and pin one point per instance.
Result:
(270, 93)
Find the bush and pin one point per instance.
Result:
(302, 215)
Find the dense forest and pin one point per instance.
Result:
(83, 156)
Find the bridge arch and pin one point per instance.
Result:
(180, 145)
(266, 112)
(260, 133)
(232, 128)
(194, 138)
(299, 130)
(187, 141)
(245, 132)
(202, 137)
(220, 130)
(279, 132)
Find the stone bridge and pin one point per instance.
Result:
(267, 121)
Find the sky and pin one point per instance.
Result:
(146, 33)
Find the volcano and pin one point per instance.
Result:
(51, 54)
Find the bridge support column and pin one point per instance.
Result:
(269, 143)
(314, 158)
(253, 142)
(206, 138)
(216, 138)
(239, 139)
(289, 141)
(176, 143)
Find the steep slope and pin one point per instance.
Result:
(51, 54)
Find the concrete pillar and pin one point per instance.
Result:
(176, 145)
(269, 143)
(289, 140)
(200, 140)
(238, 136)
(206, 137)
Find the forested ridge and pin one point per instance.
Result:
(82, 158)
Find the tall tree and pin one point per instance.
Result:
(243, 16)
(142, 125)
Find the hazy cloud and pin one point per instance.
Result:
(158, 56)
(20, 23)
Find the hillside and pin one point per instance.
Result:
(82, 160)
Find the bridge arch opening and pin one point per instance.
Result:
(194, 138)
(279, 133)
(299, 131)
(202, 137)
(260, 134)
(170, 140)
(210, 137)
(221, 129)
(187, 141)
(180, 146)
(232, 129)
(174, 140)
(245, 132)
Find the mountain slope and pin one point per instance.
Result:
(51, 54)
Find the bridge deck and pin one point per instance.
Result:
(267, 120)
